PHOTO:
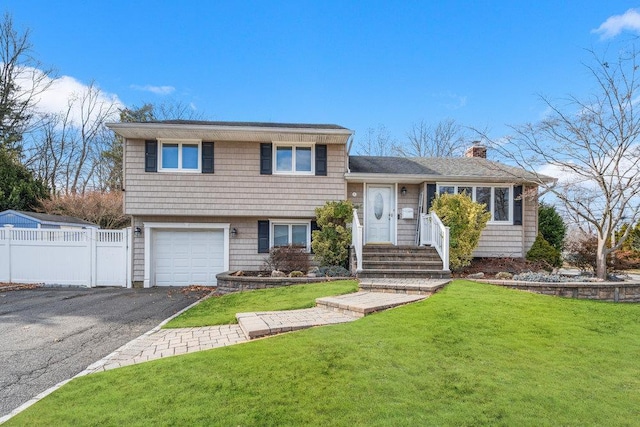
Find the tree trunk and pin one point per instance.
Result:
(601, 258)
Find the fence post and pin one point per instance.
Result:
(127, 240)
(92, 237)
(6, 233)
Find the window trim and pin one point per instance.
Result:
(294, 147)
(290, 223)
(180, 142)
(492, 220)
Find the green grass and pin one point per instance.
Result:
(472, 354)
(222, 310)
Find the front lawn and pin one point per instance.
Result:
(472, 354)
(221, 310)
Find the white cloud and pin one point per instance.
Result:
(158, 90)
(60, 92)
(614, 25)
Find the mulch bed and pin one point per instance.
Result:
(492, 266)
(17, 286)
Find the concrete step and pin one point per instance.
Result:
(260, 324)
(360, 304)
(394, 256)
(404, 286)
(370, 249)
(402, 265)
(401, 274)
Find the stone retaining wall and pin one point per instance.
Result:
(228, 284)
(609, 291)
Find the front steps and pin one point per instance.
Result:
(401, 262)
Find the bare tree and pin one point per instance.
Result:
(593, 146)
(22, 80)
(377, 142)
(445, 139)
(67, 151)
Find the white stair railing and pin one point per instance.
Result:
(434, 233)
(356, 239)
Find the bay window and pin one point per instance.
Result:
(497, 199)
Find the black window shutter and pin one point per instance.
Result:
(321, 160)
(517, 205)
(151, 156)
(263, 237)
(266, 153)
(207, 157)
(314, 227)
(431, 194)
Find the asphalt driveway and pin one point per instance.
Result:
(48, 335)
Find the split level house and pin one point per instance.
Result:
(210, 197)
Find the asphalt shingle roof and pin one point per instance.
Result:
(61, 219)
(249, 124)
(463, 167)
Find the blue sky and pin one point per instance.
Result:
(356, 64)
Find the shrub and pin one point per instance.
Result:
(466, 219)
(625, 260)
(552, 226)
(104, 209)
(331, 242)
(287, 258)
(581, 252)
(541, 250)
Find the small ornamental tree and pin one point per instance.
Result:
(331, 242)
(466, 219)
(551, 225)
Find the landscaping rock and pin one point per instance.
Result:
(278, 273)
(475, 276)
(504, 275)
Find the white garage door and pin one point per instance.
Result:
(183, 258)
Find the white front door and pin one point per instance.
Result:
(379, 211)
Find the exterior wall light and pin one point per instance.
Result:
(234, 232)
(403, 190)
(137, 231)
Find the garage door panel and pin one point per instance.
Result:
(186, 257)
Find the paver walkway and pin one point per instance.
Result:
(169, 342)
(159, 343)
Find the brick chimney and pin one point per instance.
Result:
(476, 150)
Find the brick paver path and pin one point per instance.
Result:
(159, 343)
(169, 342)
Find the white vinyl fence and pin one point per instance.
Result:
(65, 257)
